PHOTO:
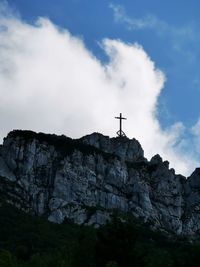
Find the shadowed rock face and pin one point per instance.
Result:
(85, 179)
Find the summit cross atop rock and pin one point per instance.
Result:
(120, 133)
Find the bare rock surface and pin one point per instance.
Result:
(84, 180)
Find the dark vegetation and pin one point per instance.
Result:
(15, 193)
(64, 145)
(28, 241)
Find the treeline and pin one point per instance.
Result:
(64, 145)
(28, 241)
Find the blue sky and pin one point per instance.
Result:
(167, 32)
(175, 53)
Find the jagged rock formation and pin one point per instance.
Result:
(85, 179)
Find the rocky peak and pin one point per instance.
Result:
(194, 179)
(86, 179)
(126, 149)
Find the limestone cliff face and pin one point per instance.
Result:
(85, 179)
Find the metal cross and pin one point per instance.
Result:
(120, 133)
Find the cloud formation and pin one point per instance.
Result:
(178, 35)
(50, 82)
(120, 16)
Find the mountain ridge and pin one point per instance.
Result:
(86, 179)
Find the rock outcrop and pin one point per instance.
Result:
(86, 179)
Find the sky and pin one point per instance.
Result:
(69, 67)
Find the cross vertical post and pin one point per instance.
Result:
(120, 133)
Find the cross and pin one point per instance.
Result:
(120, 133)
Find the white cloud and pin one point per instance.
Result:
(50, 82)
(195, 131)
(178, 35)
(149, 21)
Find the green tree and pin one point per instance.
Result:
(85, 251)
(6, 259)
(112, 264)
(157, 257)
